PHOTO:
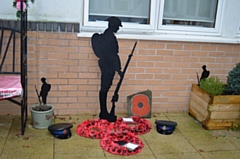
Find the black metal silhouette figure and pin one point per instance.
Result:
(44, 90)
(105, 46)
(205, 73)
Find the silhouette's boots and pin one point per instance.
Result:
(103, 105)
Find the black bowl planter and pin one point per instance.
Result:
(42, 115)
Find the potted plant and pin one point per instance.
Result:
(215, 105)
(42, 113)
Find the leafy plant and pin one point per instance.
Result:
(236, 127)
(233, 81)
(212, 85)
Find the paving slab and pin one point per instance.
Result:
(189, 140)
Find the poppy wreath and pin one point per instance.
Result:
(95, 129)
(110, 143)
(138, 127)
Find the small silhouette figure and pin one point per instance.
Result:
(205, 73)
(105, 46)
(44, 90)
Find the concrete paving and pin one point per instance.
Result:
(189, 141)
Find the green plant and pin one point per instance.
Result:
(212, 85)
(236, 127)
(233, 80)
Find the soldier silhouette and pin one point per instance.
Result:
(105, 46)
(44, 90)
(205, 73)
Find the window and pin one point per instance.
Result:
(133, 13)
(201, 13)
(156, 16)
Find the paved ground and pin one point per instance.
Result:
(189, 141)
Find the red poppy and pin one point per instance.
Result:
(140, 105)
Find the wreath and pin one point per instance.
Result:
(139, 125)
(116, 143)
(94, 128)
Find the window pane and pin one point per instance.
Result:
(133, 11)
(201, 13)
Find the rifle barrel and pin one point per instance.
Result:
(124, 70)
(38, 95)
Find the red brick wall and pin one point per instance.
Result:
(167, 68)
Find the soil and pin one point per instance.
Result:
(42, 107)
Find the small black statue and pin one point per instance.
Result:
(105, 46)
(44, 90)
(205, 73)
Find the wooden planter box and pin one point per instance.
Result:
(219, 112)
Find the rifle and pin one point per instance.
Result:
(115, 96)
(198, 79)
(38, 95)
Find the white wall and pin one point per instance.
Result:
(45, 10)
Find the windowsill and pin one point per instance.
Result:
(169, 37)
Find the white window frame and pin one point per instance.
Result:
(191, 29)
(238, 32)
(156, 31)
(127, 27)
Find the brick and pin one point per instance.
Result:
(199, 53)
(170, 82)
(160, 99)
(145, 52)
(57, 69)
(156, 45)
(144, 76)
(174, 46)
(68, 62)
(182, 53)
(162, 76)
(68, 49)
(67, 87)
(57, 42)
(88, 75)
(68, 75)
(225, 48)
(165, 52)
(171, 70)
(152, 82)
(154, 70)
(77, 106)
(192, 47)
(154, 58)
(77, 93)
(207, 60)
(209, 47)
(79, 43)
(190, 59)
(67, 100)
(78, 81)
(71, 36)
(145, 64)
(216, 54)
(88, 88)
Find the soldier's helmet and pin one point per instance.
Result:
(43, 79)
(115, 21)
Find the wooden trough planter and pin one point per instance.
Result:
(219, 112)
